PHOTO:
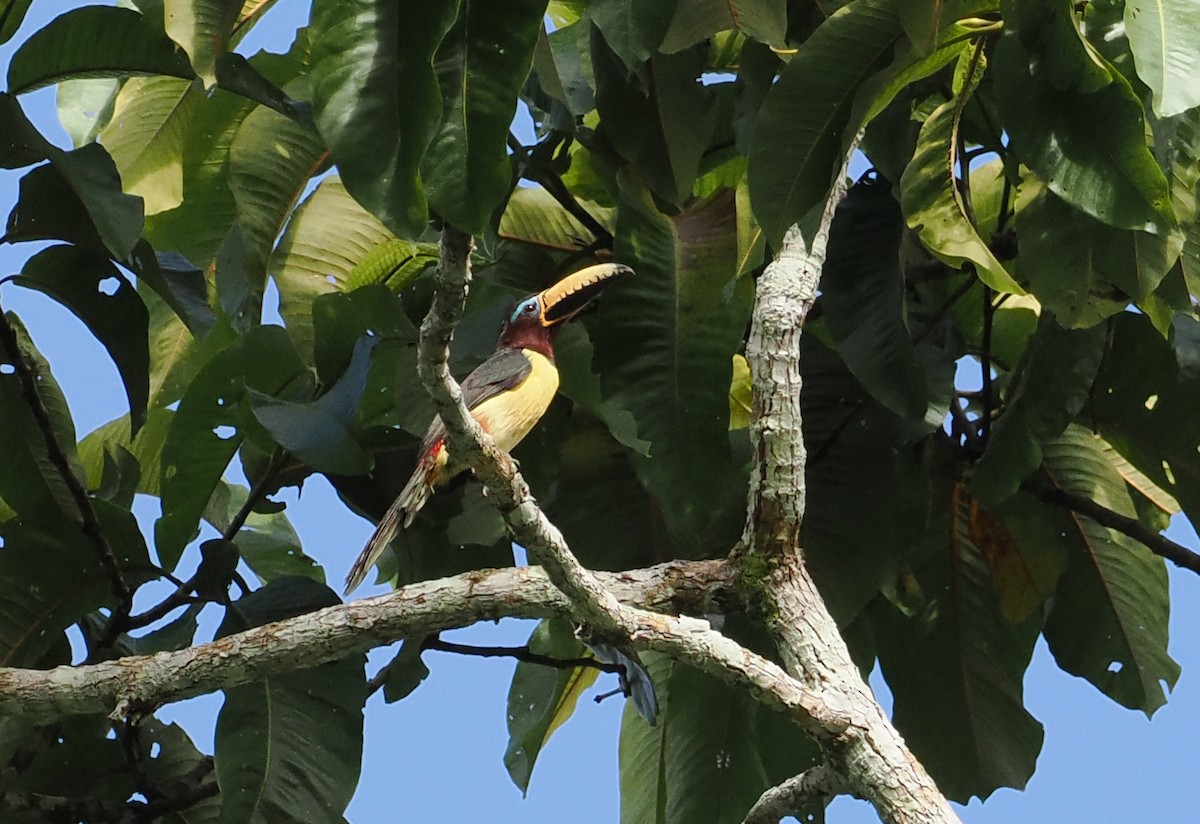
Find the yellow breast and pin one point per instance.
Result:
(509, 416)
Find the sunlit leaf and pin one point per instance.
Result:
(1163, 35)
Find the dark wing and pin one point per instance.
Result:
(505, 369)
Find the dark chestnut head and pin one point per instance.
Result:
(530, 324)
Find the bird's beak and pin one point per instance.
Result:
(565, 299)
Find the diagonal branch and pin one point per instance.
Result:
(58, 457)
(1156, 542)
(690, 640)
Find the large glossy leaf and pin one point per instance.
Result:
(113, 438)
(542, 698)
(146, 134)
(85, 106)
(208, 428)
(676, 113)
(266, 542)
(1051, 32)
(1163, 35)
(924, 20)
(1082, 269)
(932, 201)
(709, 757)
(82, 183)
(663, 341)
(532, 215)
(1053, 384)
(632, 30)
(376, 99)
(1108, 622)
(271, 160)
(326, 237)
(100, 296)
(863, 298)
(95, 41)
(799, 132)
(955, 666)
(481, 64)
(202, 29)
(172, 763)
(268, 765)
(1089, 149)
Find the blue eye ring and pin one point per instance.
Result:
(527, 307)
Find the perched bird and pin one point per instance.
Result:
(507, 394)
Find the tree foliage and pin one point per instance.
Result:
(1028, 215)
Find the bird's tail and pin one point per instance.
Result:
(400, 514)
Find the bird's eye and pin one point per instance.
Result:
(529, 309)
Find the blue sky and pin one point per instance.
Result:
(436, 756)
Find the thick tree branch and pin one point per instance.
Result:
(330, 634)
(1157, 543)
(818, 784)
(870, 753)
(592, 602)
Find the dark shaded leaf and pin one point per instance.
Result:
(631, 29)
(100, 296)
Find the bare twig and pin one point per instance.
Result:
(1161, 545)
(523, 653)
(58, 457)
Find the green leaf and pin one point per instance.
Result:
(1081, 269)
(266, 542)
(1051, 32)
(631, 29)
(676, 114)
(85, 180)
(178, 283)
(924, 20)
(799, 133)
(12, 13)
(150, 123)
(1090, 149)
(95, 41)
(271, 160)
(1054, 382)
(955, 667)
(532, 215)
(208, 428)
(1108, 622)
(85, 106)
(267, 765)
(100, 296)
(172, 767)
(376, 99)
(328, 235)
(542, 698)
(932, 201)
(202, 28)
(863, 296)
(481, 65)
(712, 753)
(762, 20)
(114, 436)
(30, 484)
(405, 672)
(1163, 35)
(318, 432)
(562, 62)
(664, 342)
(573, 353)
(394, 263)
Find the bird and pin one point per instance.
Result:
(507, 394)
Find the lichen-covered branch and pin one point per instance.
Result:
(870, 753)
(813, 786)
(329, 634)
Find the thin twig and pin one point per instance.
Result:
(58, 457)
(985, 365)
(524, 654)
(1161, 545)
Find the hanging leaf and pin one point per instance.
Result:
(100, 296)
(268, 766)
(481, 64)
(632, 30)
(202, 29)
(1163, 36)
(376, 99)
